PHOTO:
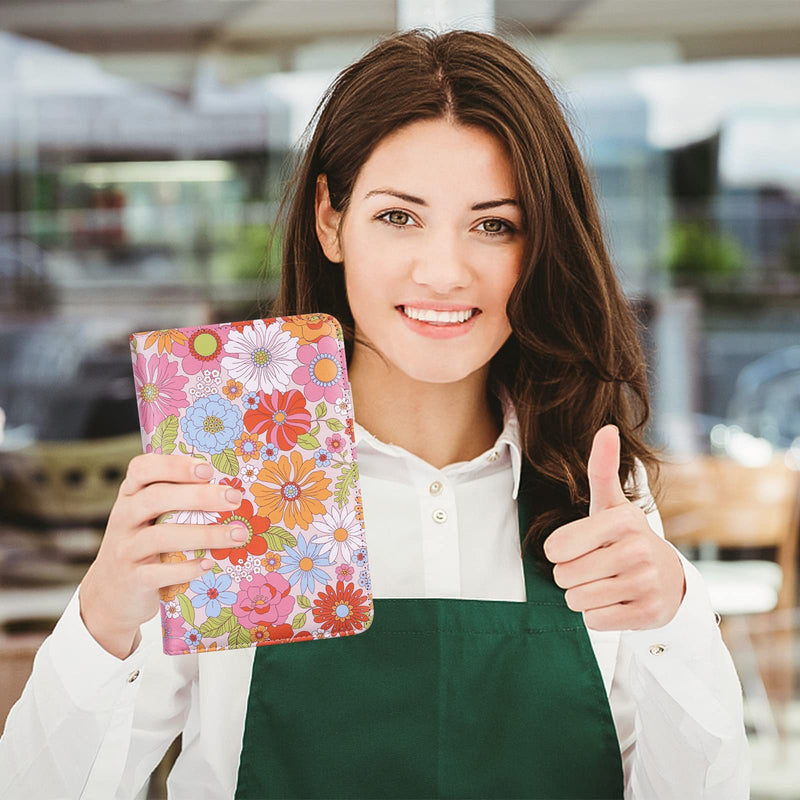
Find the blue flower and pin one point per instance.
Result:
(271, 451)
(364, 581)
(211, 424)
(360, 557)
(304, 565)
(192, 637)
(323, 458)
(210, 592)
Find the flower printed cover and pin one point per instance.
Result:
(267, 403)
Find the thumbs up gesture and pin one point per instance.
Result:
(616, 569)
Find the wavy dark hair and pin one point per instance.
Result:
(574, 361)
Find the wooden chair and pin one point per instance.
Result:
(721, 514)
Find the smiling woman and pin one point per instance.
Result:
(534, 635)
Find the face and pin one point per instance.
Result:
(432, 243)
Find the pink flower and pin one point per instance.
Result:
(202, 350)
(321, 373)
(335, 443)
(159, 389)
(344, 572)
(264, 601)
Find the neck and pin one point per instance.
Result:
(441, 423)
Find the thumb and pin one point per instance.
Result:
(605, 490)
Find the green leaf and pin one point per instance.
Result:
(226, 462)
(346, 479)
(199, 553)
(279, 539)
(335, 424)
(321, 410)
(216, 626)
(216, 569)
(315, 430)
(239, 637)
(182, 447)
(299, 621)
(303, 601)
(187, 609)
(307, 441)
(164, 435)
(199, 455)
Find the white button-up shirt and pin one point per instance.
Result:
(89, 725)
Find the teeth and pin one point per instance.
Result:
(440, 317)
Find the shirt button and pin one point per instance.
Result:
(440, 515)
(435, 488)
(494, 455)
(657, 649)
(133, 676)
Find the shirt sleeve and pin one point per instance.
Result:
(91, 725)
(679, 683)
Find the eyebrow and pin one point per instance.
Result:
(410, 198)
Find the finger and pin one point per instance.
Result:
(168, 538)
(152, 468)
(172, 573)
(604, 562)
(160, 498)
(617, 617)
(602, 593)
(605, 490)
(582, 536)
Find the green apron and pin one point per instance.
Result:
(438, 698)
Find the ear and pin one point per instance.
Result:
(327, 222)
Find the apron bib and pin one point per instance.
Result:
(437, 699)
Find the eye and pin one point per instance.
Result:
(400, 219)
(495, 227)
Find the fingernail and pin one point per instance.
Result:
(616, 429)
(233, 496)
(206, 563)
(239, 532)
(204, 471)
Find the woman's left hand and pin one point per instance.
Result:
(616, 569)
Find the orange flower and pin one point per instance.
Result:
(232, 389)
(291, 492)
(165, 339)
(257, 526)
(168, 593)
(310, 327)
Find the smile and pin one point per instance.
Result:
(438, 317)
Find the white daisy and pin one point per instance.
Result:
(196, 517)
(248, 473)
(261, 357)
(341, 534)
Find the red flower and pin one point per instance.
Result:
(282, 417)
(236, 483)
(256, 544)
(344, 611)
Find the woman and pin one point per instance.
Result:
(442, 213)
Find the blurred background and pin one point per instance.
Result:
(143, 148)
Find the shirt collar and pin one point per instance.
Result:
(509, 437)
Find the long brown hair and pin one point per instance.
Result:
(573, 362)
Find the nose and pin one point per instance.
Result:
(441, 264)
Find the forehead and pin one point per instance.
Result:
(431, 155)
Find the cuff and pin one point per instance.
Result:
(92, 678)
(690, 633)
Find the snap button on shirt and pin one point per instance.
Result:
(657, 649)
(435, 488)
(440, 515)
(133, 676)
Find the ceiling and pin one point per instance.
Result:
(258, 36)
(710, 27)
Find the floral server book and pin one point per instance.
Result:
(267, 403)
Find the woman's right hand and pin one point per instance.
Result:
(120, 590)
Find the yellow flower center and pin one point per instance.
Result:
(213, 425)
(149, 392)
(306, 564)
(326, 370)
(340, 534)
